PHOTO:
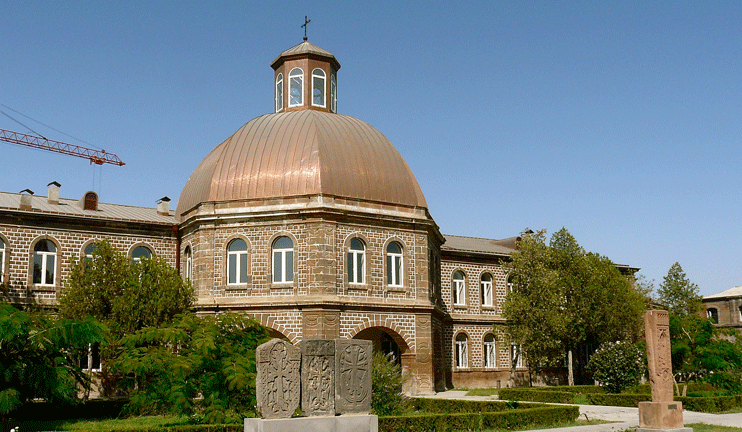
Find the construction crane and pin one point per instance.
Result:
(98, 157)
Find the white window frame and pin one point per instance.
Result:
(333, 93)
(486, 287)
(394, 261)
(44, 264)
(135, 260)
(323, 88)
(513, 349)
(458, 288)
(279, 92)
(238, 263)
(189, 263)
(89, 362)
(300, 77)
(353, 257)
(2, 259)
(490, 351)
(710, 314)
(462, 352)
(279, 255)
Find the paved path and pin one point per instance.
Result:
(625, 418)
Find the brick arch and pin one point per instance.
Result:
(270, 322)
(399, 336)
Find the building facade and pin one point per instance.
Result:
(725, 308)
(311, 222)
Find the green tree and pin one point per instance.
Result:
(125, 296)
(617, 366)
(386, 387)
(38, 357)
(168, 367)
(566, 300)
(678, 294)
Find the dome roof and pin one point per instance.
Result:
(303, 153)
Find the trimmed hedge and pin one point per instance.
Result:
(509, 419)
(584, 389)
(529, 394)
(710, 404)
(692, 387)
(186, 428)
(92, 409)
(455, 406)
(624, 399)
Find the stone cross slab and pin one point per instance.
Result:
(662, 414)
(353, 376)
(278, 378)
(318, 377)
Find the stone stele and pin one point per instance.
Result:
(352, 376)
(278, 380)
(318, 377)
(662, 414)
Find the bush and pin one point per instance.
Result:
(572, 389)
(530, 394)
(386, 387)
(437, 406)
(624, 400)
(710, 404)
(616, 366)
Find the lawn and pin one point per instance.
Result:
(132, 423)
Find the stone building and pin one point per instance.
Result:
(311, 222)
(725, 308)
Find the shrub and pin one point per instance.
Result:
(625, 400)
(386, 387)
(530, 394)
(616, 366)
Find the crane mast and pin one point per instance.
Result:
(98, 157)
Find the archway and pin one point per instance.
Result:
(385, 341)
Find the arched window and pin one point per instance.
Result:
(296, 87)
(356, 262)
(91, 201)
(283, 260)
(140, 252)
(394, 264)
(189, 263)
(279, 92)
(44, 262)
(462, 352)
(458, 288)
(333, 93)
(486, 285)
(88, 252)
(516, 356)
(2, 260)
(490, 353)
(510, 284)
(318, 87)
(237, 262)
(713, 314)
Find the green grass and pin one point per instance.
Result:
(145, 422)
(700, 427)
(558, 425)
(482, 392)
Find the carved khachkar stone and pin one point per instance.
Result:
(318, 377)
(278, 378)
(353, 376)
(662, 413)
(659, 360)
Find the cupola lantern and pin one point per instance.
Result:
(305, 77)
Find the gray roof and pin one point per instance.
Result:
(72, 207)
(479, 245)
(731, 292)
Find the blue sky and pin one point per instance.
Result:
(620, 121)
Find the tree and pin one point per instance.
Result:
(38, 357)
(169, 367)
(567, 300)
(126, 296)
(387, 382)
(617, 366)
(678, 294)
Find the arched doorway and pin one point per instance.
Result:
(385, 341)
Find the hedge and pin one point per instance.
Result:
(529, 394)
(454, 406)
(710, 404)
(92, 409)
(624, 399)
(509, 419)
(185, 428)
(692, 387)
(585, 389)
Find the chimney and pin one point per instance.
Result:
(53, 196)
(26, 199)
(163, 206)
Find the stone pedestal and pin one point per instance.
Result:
(661, 416)
(346, 423)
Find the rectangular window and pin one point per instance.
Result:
(462, 358)
(277, 273)
(232, 269)
(289, 266)
(243, 268)
(489, 355)
(459, 292)
(486, 293)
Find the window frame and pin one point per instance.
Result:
(461, 351)
(323, 87)
(352, 259)
(333, 93)
(458, 288)
(279, 92)
(284, 267)
(489, 349)
(488, 300)
(138, 259)
(394, 261)
(44, 257)
(3, 257)
(238, 254)
(713, 314)
(300, 77)
(188, 252)
(513, 349)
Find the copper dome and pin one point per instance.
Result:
(299, 154)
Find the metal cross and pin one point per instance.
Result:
(306, 21)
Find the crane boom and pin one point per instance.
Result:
(98, 157)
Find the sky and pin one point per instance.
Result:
(620, 121)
